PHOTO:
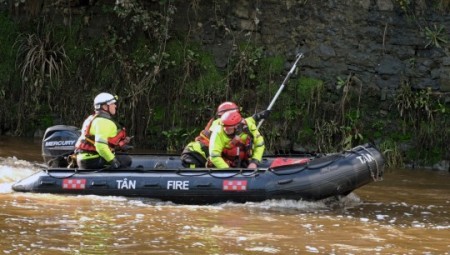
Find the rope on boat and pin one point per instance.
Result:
(376, 177)
(253, 173)
(240, 172)
(63, 177)
(338, 157)
(179, 172)
(379, 176)
(75, 171)
(40, 165)
(278, 173)
(210, 172)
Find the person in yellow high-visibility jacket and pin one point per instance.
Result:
(236, 142)
(101, 136)
(196, 153)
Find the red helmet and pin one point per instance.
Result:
(231, 118)
(225, 107)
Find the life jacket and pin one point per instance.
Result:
(86, 143)
(205, 134)
(238, 150)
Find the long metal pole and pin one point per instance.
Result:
(299, 56)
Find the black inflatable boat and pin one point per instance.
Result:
(163, 176)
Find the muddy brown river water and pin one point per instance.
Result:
(406, 213)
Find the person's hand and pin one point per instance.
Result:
(115, 163)
(252, 165)
(261, 115)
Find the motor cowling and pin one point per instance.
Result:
(58, 144)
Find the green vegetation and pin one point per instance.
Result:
(392, 154)
(423, 124)
(8, 77)
(436, 36)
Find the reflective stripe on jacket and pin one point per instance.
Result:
(205, 134)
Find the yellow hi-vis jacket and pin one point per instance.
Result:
(220, 141)
(102, 128)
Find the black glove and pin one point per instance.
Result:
(114, 163)
(261, 115)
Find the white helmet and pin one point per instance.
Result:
(104, 98)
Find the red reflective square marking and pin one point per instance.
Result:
(74, 184)
(234, 185)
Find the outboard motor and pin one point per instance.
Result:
(58, 144)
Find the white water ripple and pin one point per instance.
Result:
(12, 170)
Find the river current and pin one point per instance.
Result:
(406, 213)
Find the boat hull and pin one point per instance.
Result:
(163, 177)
